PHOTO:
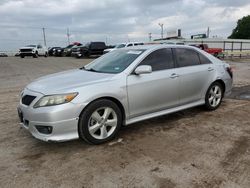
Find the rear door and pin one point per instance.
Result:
(196, 73)
(154, 91)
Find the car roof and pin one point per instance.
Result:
(158, 46)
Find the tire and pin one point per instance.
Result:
(87, 54)
(35, 55)
(22, 56)
(93, 126)
(214, 96)
(46, 54)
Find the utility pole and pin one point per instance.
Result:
(68, 35)
(150, 37)
(106, 39)
(208, 32)
(161, 25)
(44, 37)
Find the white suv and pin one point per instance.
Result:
(33, 50)
(123, 45)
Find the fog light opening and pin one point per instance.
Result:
(44, 129)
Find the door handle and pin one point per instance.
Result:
(210, 69)
(174, 75)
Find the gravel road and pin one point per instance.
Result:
(192, 148)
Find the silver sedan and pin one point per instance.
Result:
(120, 88)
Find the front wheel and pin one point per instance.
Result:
(100, 122)
(46, 54)
(214, 96)
(35, 55)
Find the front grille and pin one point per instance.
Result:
(27, 99)
(74, 50)
(26, 50)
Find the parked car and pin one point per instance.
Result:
(214, 51)
(92, 48)
(123, 45)
(123, 87)
(75, 50)
(2, 54)
(33, 50)
(51, 51)
(173, 42)
(68, 49)
(58, 52)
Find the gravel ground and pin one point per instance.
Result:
(191, 148)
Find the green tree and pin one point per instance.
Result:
(242, 30)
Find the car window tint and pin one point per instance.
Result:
(159, 59)
(186, 57)
(204, 59)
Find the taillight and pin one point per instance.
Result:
(230, 71)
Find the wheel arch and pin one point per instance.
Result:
(222, 83)
(113, 99)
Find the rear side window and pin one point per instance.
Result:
(130, 45)
(204, 59)
(186, 57)
(160, 59)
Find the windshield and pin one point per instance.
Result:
(120, 46)
(114, 62)
(31, 46)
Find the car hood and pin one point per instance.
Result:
(27, 48)
(67, 81)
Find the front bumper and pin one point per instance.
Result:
(27, 53)
(63, 119)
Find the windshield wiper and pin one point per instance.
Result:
(91, 69)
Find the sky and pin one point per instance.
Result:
(113, 21)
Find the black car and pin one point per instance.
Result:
(3, 55)
(92, 48)
(68, 50)
(52, 50)
(58, 52)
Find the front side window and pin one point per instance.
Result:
(159, 59)
(186, 57)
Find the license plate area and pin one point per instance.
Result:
(20, 115)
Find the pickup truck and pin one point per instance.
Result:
(92, 48)
(33, 50)
(214, 51)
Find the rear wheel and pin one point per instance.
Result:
(22, 56)
(100, 122)
(46, 54)
(214, 96)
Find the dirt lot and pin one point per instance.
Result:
(192, 148)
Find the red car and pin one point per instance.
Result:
(213, 51)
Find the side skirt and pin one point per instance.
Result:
(164, 112)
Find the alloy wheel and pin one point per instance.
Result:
(215, 96)
(102, 123)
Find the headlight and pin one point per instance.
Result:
(52, 100)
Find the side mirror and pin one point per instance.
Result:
(143, 69)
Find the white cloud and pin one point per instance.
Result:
(22, 20)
